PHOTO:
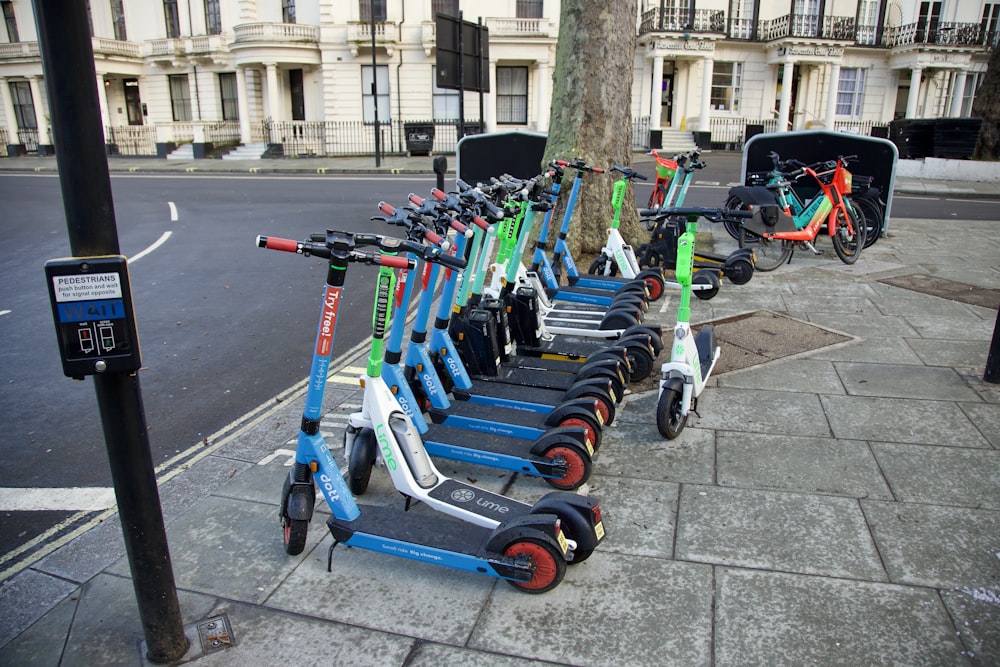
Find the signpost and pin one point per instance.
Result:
(462, 49)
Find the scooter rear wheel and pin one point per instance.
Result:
(295, 532)
(669, 420)
(550, 566)
(578, 467)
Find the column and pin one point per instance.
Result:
(273, 99)
(784, 108)
(682, 79)
(831, 99)
(544, 88)
(656, 93)
(911, 99)
(41, 108)
(102, 100)
(958, 90)
(243, 105)
(489, 102)
(704, 120)
(8, 112)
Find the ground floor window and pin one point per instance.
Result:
(512, 95)
(24, 106)
(972, 82)
(445, 102)
(230, 98)
(381, 79)
(851, 92)
(180, 97)
(727, 79)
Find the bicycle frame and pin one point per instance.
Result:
(821, 208)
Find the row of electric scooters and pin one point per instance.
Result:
(509, 374)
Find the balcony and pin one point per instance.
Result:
(936, 34)
(275, 33)
(841, 28)
(512, 27)
(18, 51)
(359, 34)
(255, 43)
(116, 48)
(682, 20)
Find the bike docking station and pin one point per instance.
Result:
(879, 157)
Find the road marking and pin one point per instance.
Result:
(74, 499)
(4, 312)
(160, 241)
(173, 211)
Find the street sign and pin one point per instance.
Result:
(463, 52)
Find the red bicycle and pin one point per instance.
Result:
(666, 169)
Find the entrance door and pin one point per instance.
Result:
(667, 100)
(297, 94)
(133, 105)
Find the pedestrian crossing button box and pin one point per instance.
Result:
(92, 307)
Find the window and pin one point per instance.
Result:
(741, 19)
(368, 102)
(171, 18)
(726, 82)
(805, 18)
(230, 98)
(24, 107)
(529, 9)
(445, 102)
(868, 21)
(288, 11)
(180, 97)
(990, 25)
(372, 8)
(512, 95)
(972, 82)
(928, 21)
(118, 19)
(213, 17)
(10, 21)
(446, 7)
(851, 92)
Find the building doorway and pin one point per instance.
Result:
(133, 105)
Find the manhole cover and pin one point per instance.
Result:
(215, 634)
(947, 289)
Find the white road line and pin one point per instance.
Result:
(173, 211)
(63, 500)
(4, 312)
(160, 241)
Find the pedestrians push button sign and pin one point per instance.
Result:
(92, 308)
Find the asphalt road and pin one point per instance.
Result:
(224, 326)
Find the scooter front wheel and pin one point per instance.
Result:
(295, 533)
(550, 566)
(706, 277)
(359, 466)
(669, 420)
(739, 271)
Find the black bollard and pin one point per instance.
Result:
(992, 372)
(440, 167)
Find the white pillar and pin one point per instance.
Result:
(273, 98)
(41, 108)
(958, 90)
(656, 92)
(102, 102)
(544, 95)
(704, 121)
(911, 100)
(682, 80)
(243, 105)
(785, 106)
(831, 97)
(8, 112)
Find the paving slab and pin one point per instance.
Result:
(941, 475)
(799, 464)
(27, 598)
(635, 449)
(947, 289)
(801, 375)
(639, 515)
(904, 381)
(770, 618)
(34, 645)
(620, 610)
(875, 349)
(986, 417)
(977, 617)
(935, 546)
(865, 326)
(790, 532)
(785, 412)
(895, 299)
(946, 328)
(913, 421)
(435, 655)
(967, 355)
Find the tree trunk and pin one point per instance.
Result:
(591, 113)
(987, 106)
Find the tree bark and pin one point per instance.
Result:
(591, 113)
(987, 106)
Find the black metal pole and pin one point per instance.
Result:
(71, 80)
(461, 77)
(482, 75)
(992, 372)
(378, 139)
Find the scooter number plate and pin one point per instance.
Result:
(563, 544)
(599, 530)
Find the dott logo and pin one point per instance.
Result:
(324, 337)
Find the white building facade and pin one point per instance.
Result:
(296, 76)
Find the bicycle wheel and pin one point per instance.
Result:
(734, 225)
(872, 213)
(848, 245)
(769, 254)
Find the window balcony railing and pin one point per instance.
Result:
(284, 33)
(116, 47)
(18, 50)
(740, 29)
(359, 32)
(808, 26)
(513, 27)
(671, 19)
(208, 44)
(944, 34)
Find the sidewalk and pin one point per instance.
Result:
(837, 506)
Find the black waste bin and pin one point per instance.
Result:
(419, 138)
(956, 137)
(655, 139)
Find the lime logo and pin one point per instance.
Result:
(462, 495)
(383, 445)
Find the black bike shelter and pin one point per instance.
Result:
(482, 156)
(876, 157)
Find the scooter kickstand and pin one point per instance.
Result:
(329, 556)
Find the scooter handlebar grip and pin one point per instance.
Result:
(457, 226)
(396, 261)
(450, 261)
(276, 243)
(439, 195)
(479, 222)
(416, 199)
(433, 237)
(386, 208)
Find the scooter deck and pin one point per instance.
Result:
(510, 392)
(528, 379)
(461, 412)
(436, 530)
(487, 443)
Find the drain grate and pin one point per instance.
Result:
(215, 634)
(946, 289)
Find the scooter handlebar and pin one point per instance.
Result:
(276, 243)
